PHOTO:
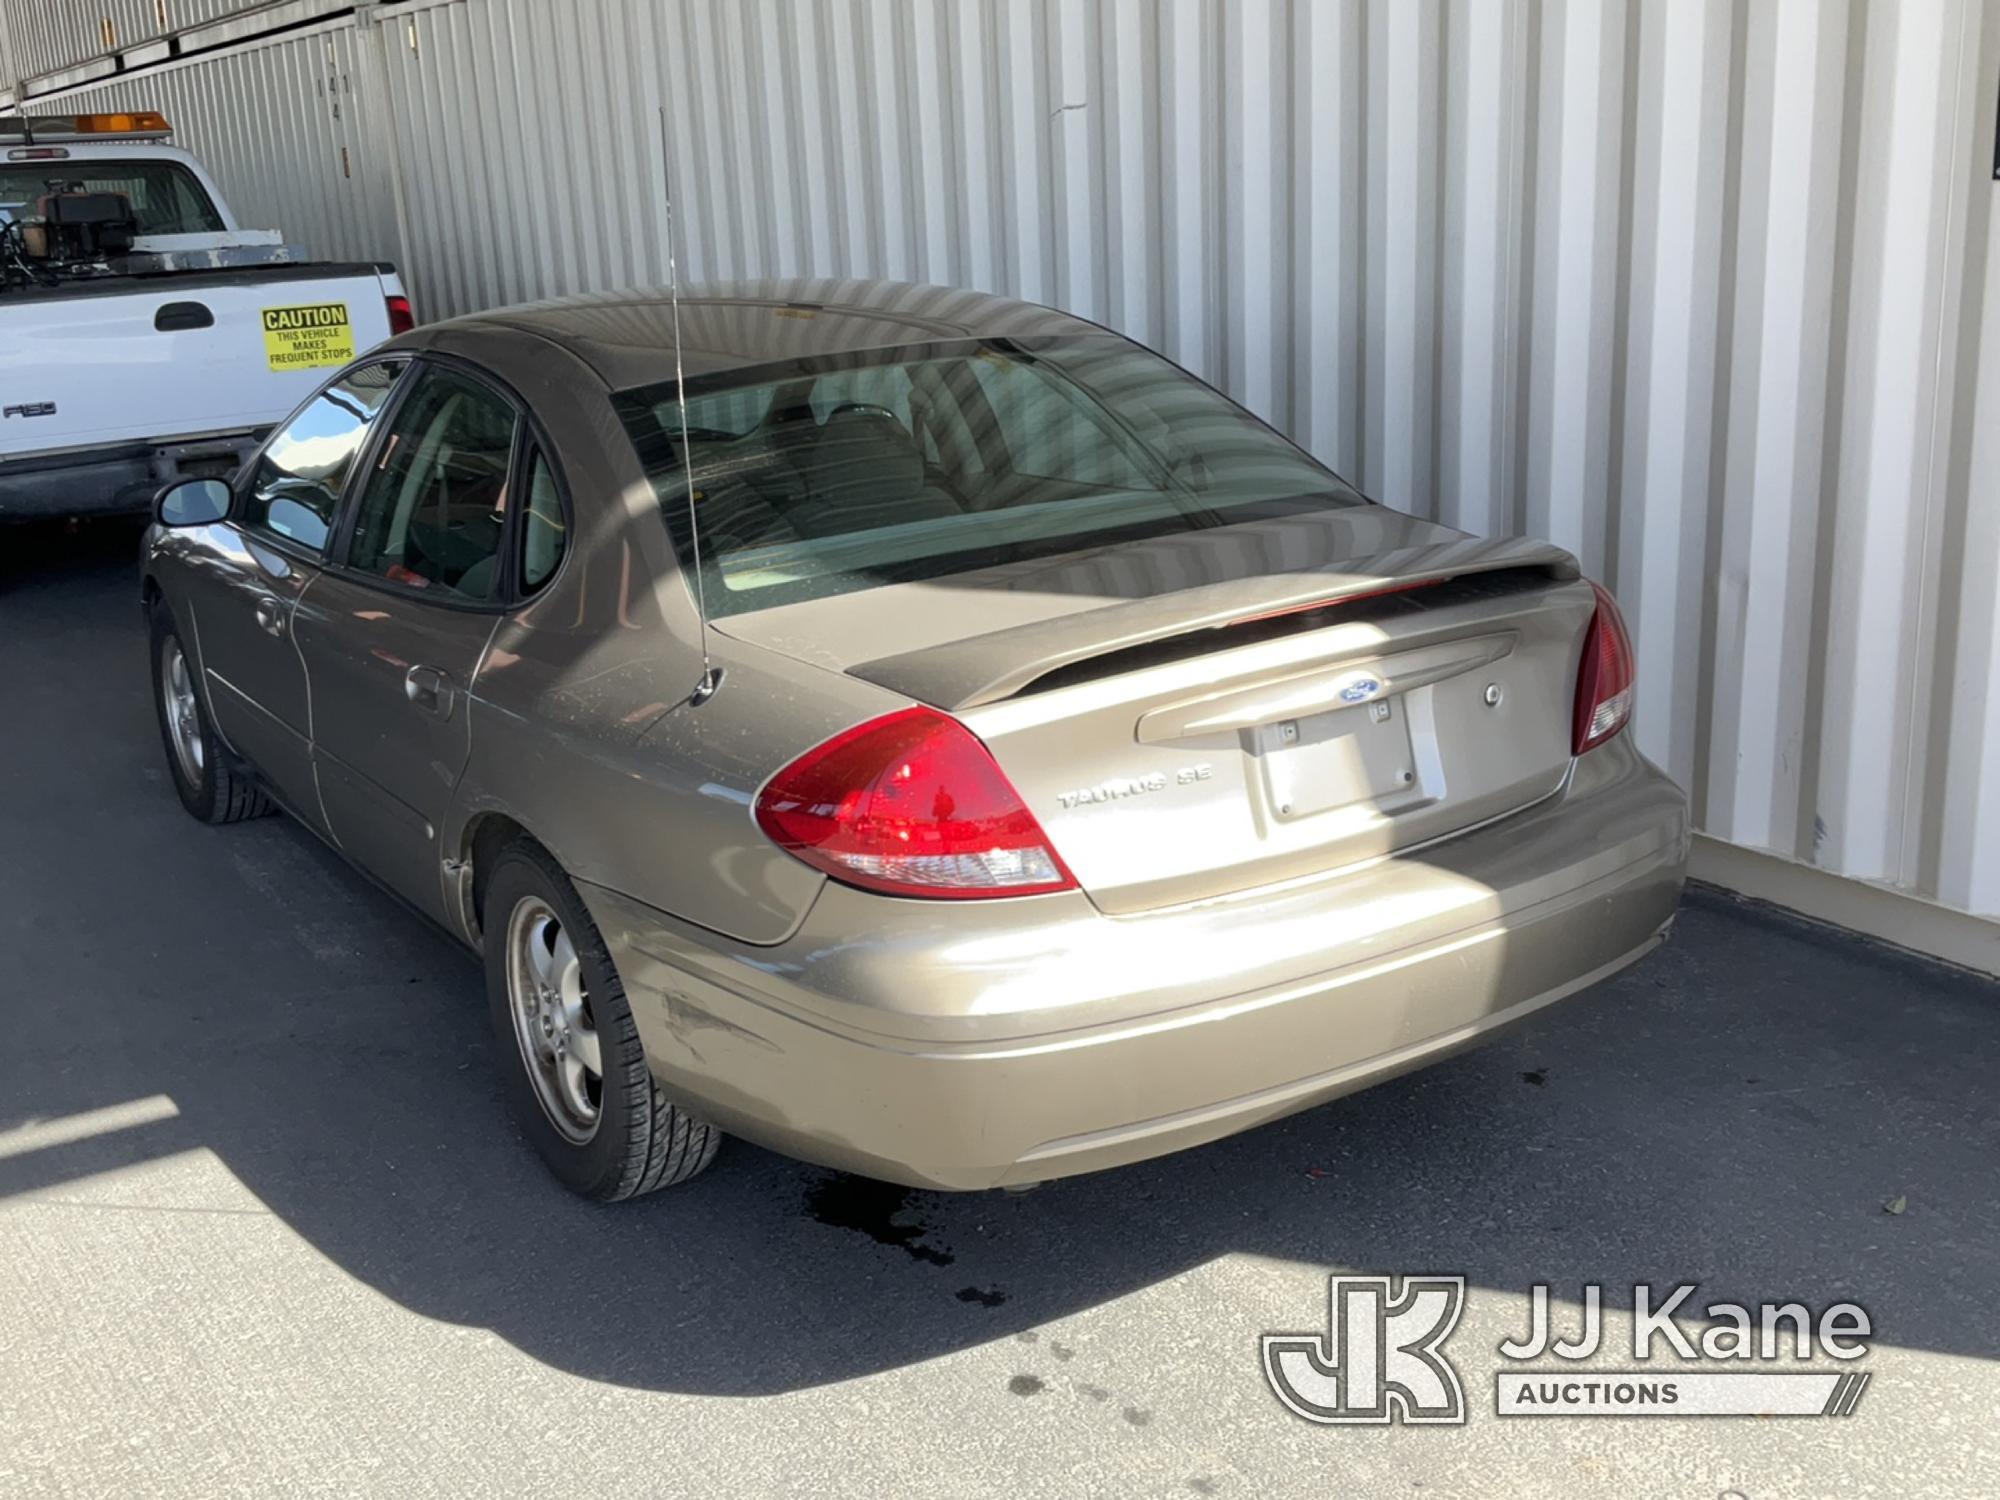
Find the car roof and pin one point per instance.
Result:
(628, 337)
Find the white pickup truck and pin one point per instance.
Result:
(144, 336)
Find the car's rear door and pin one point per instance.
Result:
(393, 632)
(246, 586)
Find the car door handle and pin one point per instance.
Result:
(271, 615)
(430, 689)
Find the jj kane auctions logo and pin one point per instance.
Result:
(1382, 1358)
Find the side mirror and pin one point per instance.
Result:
(191, 502)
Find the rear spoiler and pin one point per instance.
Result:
(986, 668)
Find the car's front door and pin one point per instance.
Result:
(393, 632)
(245, 593)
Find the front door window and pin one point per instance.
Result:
(295, 491)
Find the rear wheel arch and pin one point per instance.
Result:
(480, 844)
(490, 826)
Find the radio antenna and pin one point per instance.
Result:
(711, 676)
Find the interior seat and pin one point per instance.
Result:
(746, 490)
(864, 471)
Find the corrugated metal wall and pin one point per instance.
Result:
(52, 34)
(1706, 291)
(49, 35)
(282, 127)
(8, 75)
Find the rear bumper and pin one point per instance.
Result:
(118, 480)
(979, 1044)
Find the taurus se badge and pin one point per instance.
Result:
(1120, 787)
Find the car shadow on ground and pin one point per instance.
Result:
(1735, 1110)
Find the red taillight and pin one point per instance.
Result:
(912, 804)
(1604, 683)
(401, 319)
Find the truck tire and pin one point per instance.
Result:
(575, 1071)
(211, 785)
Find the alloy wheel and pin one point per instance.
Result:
(553, 1025)
(183, 717)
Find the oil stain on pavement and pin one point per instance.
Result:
(844, 1201)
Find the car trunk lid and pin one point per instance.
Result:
(1179, 743)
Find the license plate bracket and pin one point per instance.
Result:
(1347, 756)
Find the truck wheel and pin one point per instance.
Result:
(576, 1073)
(211, 787)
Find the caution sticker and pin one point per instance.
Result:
(304, 338)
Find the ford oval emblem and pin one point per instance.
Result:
(1360, 690)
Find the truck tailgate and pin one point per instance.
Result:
(138, 358)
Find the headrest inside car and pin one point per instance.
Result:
(865, 451)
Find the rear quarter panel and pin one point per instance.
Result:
(581, 728)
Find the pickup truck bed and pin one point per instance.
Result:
(112, 387)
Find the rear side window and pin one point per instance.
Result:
(841, 473)
(296, 488)
(544, 534)
(434, 506)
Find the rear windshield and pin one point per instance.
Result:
(166, 197)
(831, 475)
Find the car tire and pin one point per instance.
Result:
(557, 1004)
(211, 785)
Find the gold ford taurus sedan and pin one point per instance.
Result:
(956, 745)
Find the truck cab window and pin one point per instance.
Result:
(166, 197)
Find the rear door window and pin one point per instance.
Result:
(433, 508)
